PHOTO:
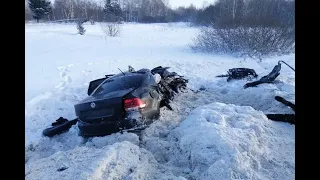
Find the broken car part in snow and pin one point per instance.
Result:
(128, 100)
(60, 126)
(239, 73)
(270, 77)
(166, 85)
(290, 118)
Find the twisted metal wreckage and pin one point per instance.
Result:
(170, 84)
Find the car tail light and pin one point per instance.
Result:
(133, 104)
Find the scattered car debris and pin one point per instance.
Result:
(290, 118)
(268, 78)
(239, 73)
(62, 169)
(132, 100)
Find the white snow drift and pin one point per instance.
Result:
(216, 141)
(220, 133)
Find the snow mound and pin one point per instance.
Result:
(46, 147)
(122, 160)
(260, 98)
(215, 141)
(219, 141)
(46, 108)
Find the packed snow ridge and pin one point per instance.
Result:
(220, 133)
(216, 141)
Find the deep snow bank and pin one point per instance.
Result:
(122, 160)
(220, 141)
(216, 141)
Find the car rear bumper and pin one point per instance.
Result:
(103, 128)
(98, 129)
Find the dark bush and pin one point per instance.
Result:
(255, 42)
(80, 28)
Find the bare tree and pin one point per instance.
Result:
(69, 9)
(28, 13)
(112, 29)
(85, 8)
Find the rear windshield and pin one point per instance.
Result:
(119, 83)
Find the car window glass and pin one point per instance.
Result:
(119, 83)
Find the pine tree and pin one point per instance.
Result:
(112, 11)
(39, 8)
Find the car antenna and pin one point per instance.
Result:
(121, 71)
(124, 78)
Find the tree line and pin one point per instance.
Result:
(127, 10)
(248, 13)
(247, 28)
(253, 28)
(223, 13)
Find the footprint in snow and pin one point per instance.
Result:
(63, 74)
(68, 79)
(61, 68)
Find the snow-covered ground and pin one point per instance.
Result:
(220, 133)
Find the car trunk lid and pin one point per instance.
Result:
(107, 107)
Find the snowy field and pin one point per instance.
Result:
(221, 133)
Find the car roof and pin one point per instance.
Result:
(127, 73)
